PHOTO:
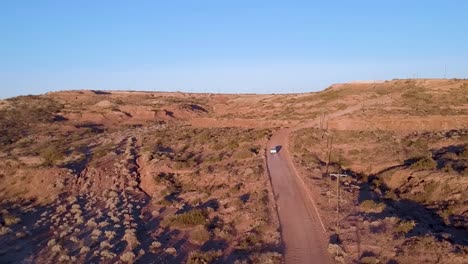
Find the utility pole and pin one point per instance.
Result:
(330, 148)
(338, 176)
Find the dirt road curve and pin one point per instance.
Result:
(301, 227)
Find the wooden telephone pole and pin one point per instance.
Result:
(338, 176)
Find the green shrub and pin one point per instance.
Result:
(424, 163)
(250, 241)
(404, 227)
(51, 155)
(391, 195)
(369, 260)
(199, 235)
(190, 218)
(369, 206)
(9, 219)
(199, 257)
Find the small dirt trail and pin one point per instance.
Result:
(302, 230)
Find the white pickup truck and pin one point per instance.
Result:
(274, 150)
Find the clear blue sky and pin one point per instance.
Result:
(226, 46)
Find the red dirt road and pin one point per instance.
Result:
(301, 227)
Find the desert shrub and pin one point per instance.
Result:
(51, 155)
(369, 206)
(232, 145)
(84, 250)
(131, 238)
(64, 258)
(424, 163)
(155, 246)
(404, 227)
(391, 195)
(426, 195)
(106, 254)
(171, 251)
(340, 160)
(96, 233)
(266, 257)
(5, 230)
(101, 151)
(20, 234)
(464, 153)
(369, 260)
(57, 248)
(190, 218)
(105, 244)
(10, 219)
(217, 146)
(448, 167)
(250, 240)
(199, 257)
(199, 235)
(416, 96)
(110, 234)
(242, 154)
(23, 114)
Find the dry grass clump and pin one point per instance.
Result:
(404, 227)
(190, 218)
(91, 223)
(110, 234)
(84, 250)
(370, 206)
(424, 163)
(199, 235)
(250, 240)
(131, 238)
(199, 257)
(106, 254)
(127, 257)
(267, 257)
(105, 244)
(171, 251)
(9, 219)
(51, 156)
(5, 230)
(369, 260)
(155, 246)
(95, 234)
(21, 234)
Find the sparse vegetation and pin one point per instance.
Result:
(424, 163)
(51, 155)
(371, 206)
(404, 227)
(191, 218)
(198, 257)
(132, 176)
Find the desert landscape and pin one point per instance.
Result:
(92, 176)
